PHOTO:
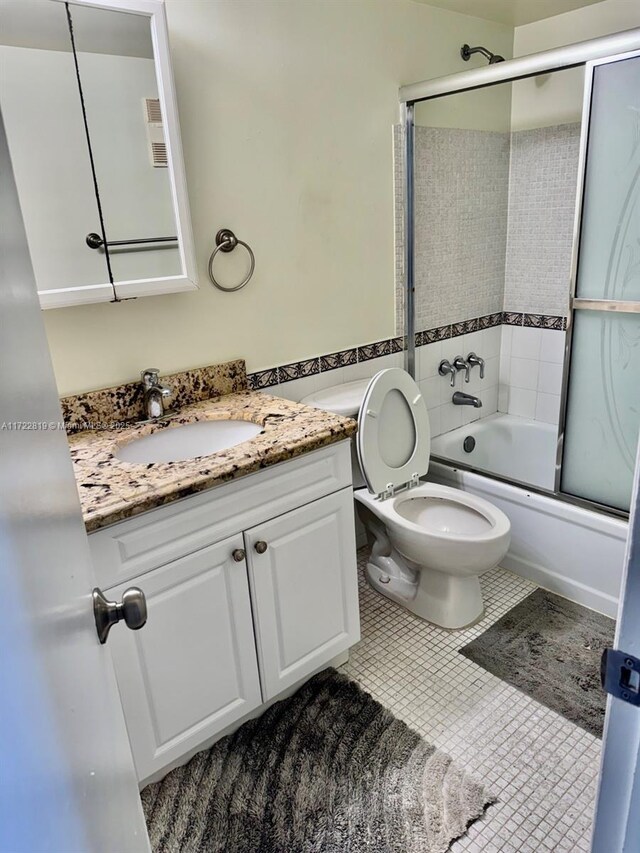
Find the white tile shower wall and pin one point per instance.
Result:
(542, 195)
(530, 373)
(493, 222)
(461, 200)
(437, 390)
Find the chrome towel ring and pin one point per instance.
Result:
(226, 241)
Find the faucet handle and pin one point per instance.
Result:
(445, 367)
(149, 377)
(474, 359)
(460, 364)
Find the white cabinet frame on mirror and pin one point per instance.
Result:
(67, 296)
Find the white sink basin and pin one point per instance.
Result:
(175, 444)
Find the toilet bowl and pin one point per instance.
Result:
(429, 543)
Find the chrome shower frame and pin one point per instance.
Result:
(586, 54)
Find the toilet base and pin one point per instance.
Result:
(444, 600)
(449, 601)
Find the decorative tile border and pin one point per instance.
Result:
(536, 321)
(263, 379)
(357, 355)
(545, 321)
(490, 320)
(343, 358)
(299, 369)
(511, 318)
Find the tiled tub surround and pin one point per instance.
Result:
(460, 223)
(494, 217)
(437, 390)
(111, 490)
(542, 194)
(530, 374)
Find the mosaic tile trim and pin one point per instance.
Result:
(545, 321)
(343, 358)
(299, 369)
(263, 379)
(380, 348)
(537, 321)
(124, 403)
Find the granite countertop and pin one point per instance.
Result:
(112, 490)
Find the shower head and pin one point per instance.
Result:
(466, 52)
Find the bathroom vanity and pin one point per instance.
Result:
(250, 584)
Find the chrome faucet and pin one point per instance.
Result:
(461, 399)
(155, 393)
(446, 368)
(473, 359)
(460, 364)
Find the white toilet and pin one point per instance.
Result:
(430, 543)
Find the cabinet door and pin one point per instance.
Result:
(192, 670)
(304, 589)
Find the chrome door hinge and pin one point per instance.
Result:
(620, 675)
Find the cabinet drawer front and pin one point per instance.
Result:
(137, 545)
(192, 670)
(304, 589)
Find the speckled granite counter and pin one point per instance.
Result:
(112, 490)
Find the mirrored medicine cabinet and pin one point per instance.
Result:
(87, 99)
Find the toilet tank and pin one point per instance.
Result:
(344, 400)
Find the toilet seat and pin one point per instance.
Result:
(393, 448)
(466, 512)
(394, 436)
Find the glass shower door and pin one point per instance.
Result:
(602, 398)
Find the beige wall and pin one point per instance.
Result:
(287, 109)
(557, 98)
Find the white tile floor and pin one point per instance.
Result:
(541, 767)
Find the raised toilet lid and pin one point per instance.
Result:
(394, 437)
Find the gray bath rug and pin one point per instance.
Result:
(328, 770)
(550, 649)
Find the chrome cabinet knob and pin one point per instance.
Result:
(132, 610)
(260, 546)
(238, 555)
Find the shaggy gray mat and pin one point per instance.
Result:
(550, 648)
(328, 770)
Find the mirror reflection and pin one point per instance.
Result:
(48, 144)
(128, 143)
(87, 136)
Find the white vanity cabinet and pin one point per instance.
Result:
(192, 670)
(251, 587)
(302, 586)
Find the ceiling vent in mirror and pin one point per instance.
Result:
(155, 133)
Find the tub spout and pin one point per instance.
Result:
(462, 399)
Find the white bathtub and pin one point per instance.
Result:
(570, 550)
(506, 445)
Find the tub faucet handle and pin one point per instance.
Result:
(460, 364)
(445, 368)
(473, 359)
